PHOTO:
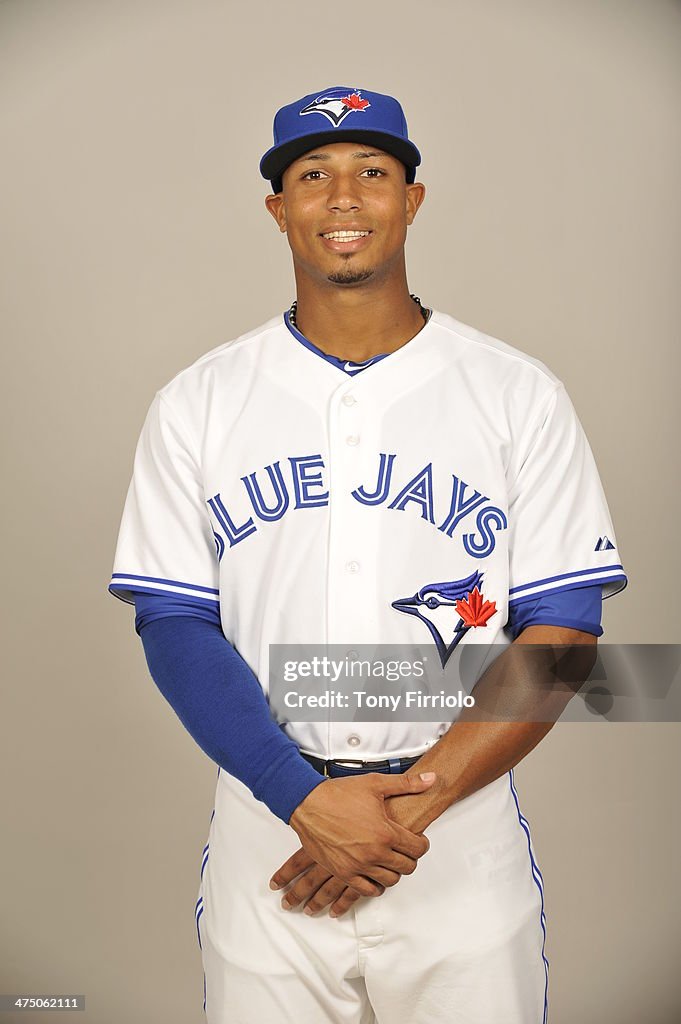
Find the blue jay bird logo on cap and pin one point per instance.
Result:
(431, 605)
(336, 105)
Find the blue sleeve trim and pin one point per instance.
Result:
(564, 576)
(161, 579)
(220, 702)
(124, 585)
(574, 608)
(573, 582)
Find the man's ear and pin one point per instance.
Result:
(275, 204)
(416, 193)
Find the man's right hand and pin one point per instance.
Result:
(344, 826)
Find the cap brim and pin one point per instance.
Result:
(278, 158)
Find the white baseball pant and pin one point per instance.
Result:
(461, 940)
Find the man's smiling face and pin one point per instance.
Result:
(345, 208)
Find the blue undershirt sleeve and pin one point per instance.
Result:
(580, 608)
(220, 702)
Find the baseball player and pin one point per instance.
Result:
(362, 469)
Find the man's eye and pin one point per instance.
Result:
(374, 172)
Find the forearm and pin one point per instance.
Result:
(469, 756)
(479, 747)
(220, 702)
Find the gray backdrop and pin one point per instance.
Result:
(135, 239)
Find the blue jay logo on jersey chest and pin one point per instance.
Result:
(449, 610)
(463, 512)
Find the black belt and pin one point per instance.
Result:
(343, 767)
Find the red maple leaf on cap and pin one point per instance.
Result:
(355, 101)
(475, 610)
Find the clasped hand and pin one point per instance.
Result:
(350, 846)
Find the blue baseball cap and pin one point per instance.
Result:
(338, 114)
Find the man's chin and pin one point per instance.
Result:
(350, 276)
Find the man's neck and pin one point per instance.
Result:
(357, 322)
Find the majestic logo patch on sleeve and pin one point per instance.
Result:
(604, 544)
(433, 604)
(336, 105)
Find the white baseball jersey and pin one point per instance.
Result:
(322, 508)
(408, 503)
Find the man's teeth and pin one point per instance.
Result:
(345, 236)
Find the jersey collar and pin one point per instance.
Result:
(346, 365)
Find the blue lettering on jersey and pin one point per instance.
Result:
(385, 472)
(233, 533)
(270, 502)
(265, 512)
(485, 517)
(460, 505)
(419, 490)
(305, 481)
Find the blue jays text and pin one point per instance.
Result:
(307, 489)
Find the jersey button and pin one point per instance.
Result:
(352, 566)
(352, 439)
(353, 740)
(349, 400)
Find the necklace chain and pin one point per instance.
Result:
(294, 306)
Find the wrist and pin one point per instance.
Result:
(299, 812)
(416, 811)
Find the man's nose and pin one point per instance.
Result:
(344, 193)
